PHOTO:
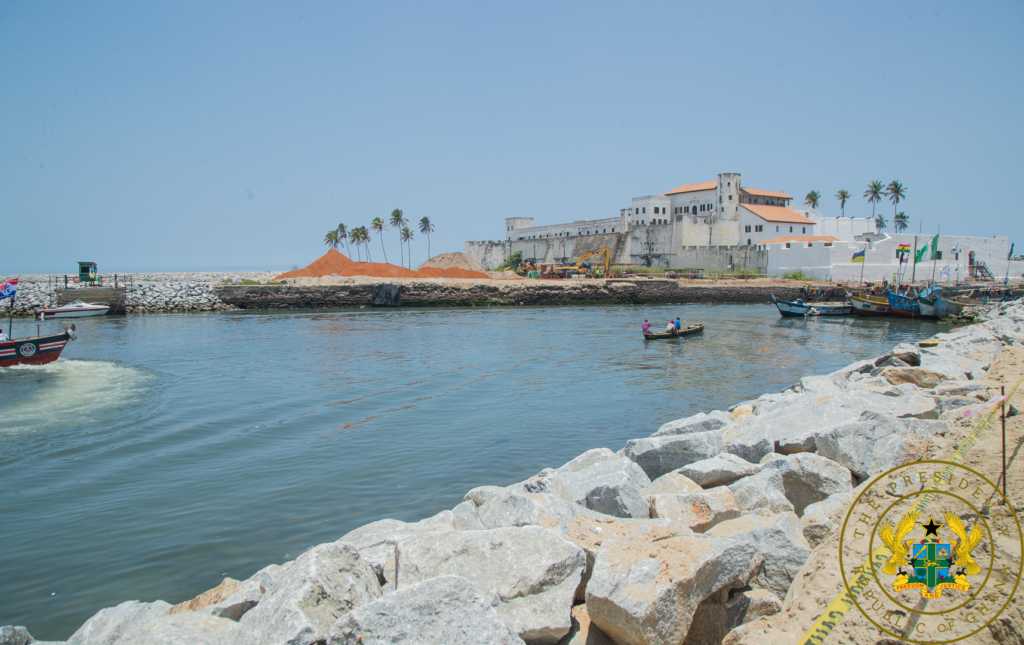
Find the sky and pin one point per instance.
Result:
(199, 136)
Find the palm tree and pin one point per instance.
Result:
(880, 223)
(813, 199)
(407, 237)
(342, 231)
(354, 236)
(363, 233)
(426, 228)
(842, 196)
(378, 225)
(874, 194)
(895, 192)
(398, 221)
(900, 222)
(331, 239)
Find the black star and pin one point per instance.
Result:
(931, 528)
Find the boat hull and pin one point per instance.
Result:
(947, 308)
(71, 313)
(927, 306)
(689, 330)
(790, 309)
(904, 305)
(38, 350)
(870, 306)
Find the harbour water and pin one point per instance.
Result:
(162, 453)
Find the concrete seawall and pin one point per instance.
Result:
(429, 294)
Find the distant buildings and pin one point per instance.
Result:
(721, 225)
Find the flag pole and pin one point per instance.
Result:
(913, 272)
(1009, 258)
(934, 251)
(864, 261)
(10, 321)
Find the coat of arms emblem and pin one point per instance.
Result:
(930, 564)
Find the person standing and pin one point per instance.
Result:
(646, 326)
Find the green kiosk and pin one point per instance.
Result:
(87, 272)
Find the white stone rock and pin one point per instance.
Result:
(529, 574)
(719, 470)
(527, 509)
(871, 444)
(482, 494)
(446, 610)
(779, 542)
(699, 511)
(660, 455)
(109, 625)
(192, 628)
(466, 518)
(817, 518)
(322, 585)
(700, 422)
(611, 487)
(763, 492)
(748, 439)
(670, 484)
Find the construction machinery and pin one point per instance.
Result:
(583, 267)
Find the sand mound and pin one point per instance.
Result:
(452, 261)
(334, 263)
(328, 263)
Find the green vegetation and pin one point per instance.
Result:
(426, 228)
(397, 222)
(880, 223)
(407, 238)
(812, 199)
(843, 196)
(797, 275)
(900, 222)
(512, 262)
(895, 191)
(379, 226)
(874, 195)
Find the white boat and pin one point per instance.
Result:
(74, 309)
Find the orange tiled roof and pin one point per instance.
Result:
(777, 214)
(800, 238)
(766, 193)
(690, 188)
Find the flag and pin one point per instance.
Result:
(935, 247)
(858, 257)
(955, 249)
(920, 253)
(945, 272)
(902, 248)
(1010, 256)
(8, 289)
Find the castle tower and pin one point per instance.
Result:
(725, 225)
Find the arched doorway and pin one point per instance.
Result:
(970, 259)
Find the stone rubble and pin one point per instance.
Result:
(681, 537)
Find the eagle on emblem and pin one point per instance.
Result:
(966, 543)
(895, 541)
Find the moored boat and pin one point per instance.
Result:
(74, 309)
(35, 350)
(870, 305)
(904, 305)
(795, 308)
(682, 331)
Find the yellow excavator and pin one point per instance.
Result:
(584, 267)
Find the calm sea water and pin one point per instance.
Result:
(162, 453)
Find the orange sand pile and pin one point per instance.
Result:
(333, 262)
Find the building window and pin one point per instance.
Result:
(604, 230)
(828, 244)
(790, 229)
(748, 241)
(759, 228)
(645, 209)
(787, 245)
(730, 198)
(613, 229)
(805, 229)
(938, 255)
(776, 229)
(746, 229)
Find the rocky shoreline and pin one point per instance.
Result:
(162, 293)
(701, 533)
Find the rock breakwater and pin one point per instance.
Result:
(702, 533)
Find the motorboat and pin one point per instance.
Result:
(794, 308)
(73, 309)
(34, 350)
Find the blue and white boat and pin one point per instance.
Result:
(795, 308)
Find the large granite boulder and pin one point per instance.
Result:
(529, 509)
(528, 574)
(670, 484)
(808, 478)
(779, 542)
(871, 444)
(700, 422)
(109, 625)
(762, 493)
(748, 439)
(646, 594)
(446, 610)
(817, 518)
(918, 376)
(719, 470)
(727, 609)
(322, 585)
(660, 455)
(376, 544)
(483, 494)
(611, 487)
(191, 628)
(226, 588)
(699, 511)
(466, 517)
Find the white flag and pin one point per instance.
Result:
(955, 250)
(945, 272)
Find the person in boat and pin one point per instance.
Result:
(671, 326)
(677, 323)
(3, 336)
(813, 311)
(646, 326)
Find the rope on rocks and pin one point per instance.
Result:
(842, 603)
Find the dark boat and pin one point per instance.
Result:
(35, 350)
(682, 331)
(909, 305)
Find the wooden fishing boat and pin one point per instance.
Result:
(869, 305)
(35, 350)
(799, 308)
(689, 330)
(904, 305)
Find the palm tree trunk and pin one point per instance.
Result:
(368, 258)
(401, 251)
(428, 246)
(383, 249)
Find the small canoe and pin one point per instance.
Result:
(682, 331)
(869, 305)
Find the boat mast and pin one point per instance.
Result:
(864, 261)
(934, 251)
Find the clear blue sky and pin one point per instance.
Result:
(151, 136)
